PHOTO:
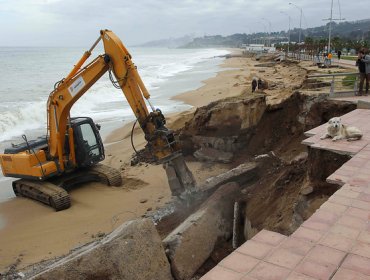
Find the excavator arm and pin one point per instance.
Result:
(60, 103)
(124, 75)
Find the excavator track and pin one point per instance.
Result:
(54, 192)
(44, 192)
(108, 175)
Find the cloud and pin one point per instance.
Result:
(76, 23)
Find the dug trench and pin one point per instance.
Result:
(289, 183)
(276, 181)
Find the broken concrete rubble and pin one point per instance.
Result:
(241, 174)
(213, 155)
(267, 64)
(133, 251)
(229, 144)
(191, 243)
(248, 230)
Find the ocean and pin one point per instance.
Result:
(28, 75)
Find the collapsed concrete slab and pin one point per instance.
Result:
(213, 155)
(191, 243)
(241, 174)
(133, 251)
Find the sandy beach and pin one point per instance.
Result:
(31, 232)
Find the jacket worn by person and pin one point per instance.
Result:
(366, 60)
(361, 65)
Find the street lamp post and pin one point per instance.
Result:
(249, 36)
(269, 32)
(288, 30)
(330, 21)
(269, 39)
(300, 20)
(264, 30)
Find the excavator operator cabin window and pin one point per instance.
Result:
(89, 139)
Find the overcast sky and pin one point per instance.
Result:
(77, 22)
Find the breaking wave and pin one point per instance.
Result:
(19, 113)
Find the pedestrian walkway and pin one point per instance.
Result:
(344, 62)
(363, 99)
(359, 118)
(334, 243)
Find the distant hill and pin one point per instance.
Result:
(168, 43)
(351, 30)
(355, 30)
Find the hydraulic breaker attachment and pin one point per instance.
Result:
(180, 178)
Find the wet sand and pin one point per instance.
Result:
(2, 222)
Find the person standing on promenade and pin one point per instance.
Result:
(363, 63)
(330, 56)
(339, 53)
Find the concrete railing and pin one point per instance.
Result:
(322, 61)
(343, 84)
(301, 56)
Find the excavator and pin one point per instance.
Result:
(71, 151)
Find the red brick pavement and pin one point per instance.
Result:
(334, 243)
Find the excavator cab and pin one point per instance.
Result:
(88, 143)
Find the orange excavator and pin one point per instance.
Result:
(71, 151)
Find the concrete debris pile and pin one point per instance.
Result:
(222, 126)
(133, 251)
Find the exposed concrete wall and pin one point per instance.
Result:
(223, 125)
(241, 174)
(190, 244)
(133, 251)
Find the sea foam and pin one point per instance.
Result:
(20, 113)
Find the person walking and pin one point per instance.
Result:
(339, 53)
(363, 63)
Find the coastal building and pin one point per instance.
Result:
(257, 48)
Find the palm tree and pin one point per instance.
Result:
(309, 44)
(337, 43)
(322, 43)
